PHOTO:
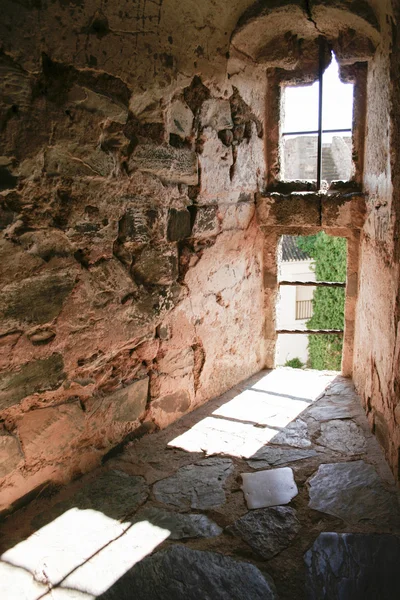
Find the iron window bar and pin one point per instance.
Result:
(316, 131)
(320, 78)
(311, 331)
(314, 283)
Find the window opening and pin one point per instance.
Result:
(311, 300)
(317, 128)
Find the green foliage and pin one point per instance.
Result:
(329, 253)
(295, 363)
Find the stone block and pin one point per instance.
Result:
(35, 299)
(206, 223)
(136, 227)
(179, 225)
(249, 167)
(50, 433)
(6, 215)
(99, 103)
(199, 485)
(180, 573)
(269, 488)
(267, 530)
(110, 282)
(215, 161)
(268, 456)
(346, 212)
(295, 434)
(41, 335)
(15, 85)
(35, 376)
(295, 210)
(179, 525)
(157, 265)
(180, 119)
(173, 165)
(169, 408)
(46, 243)
(123, 406)
(129, 403)
(15, 263)
(353, 566)
(343, 436)
(112, 493)
(10, 454)
(216, 114)
(353, 491)
(77, 160)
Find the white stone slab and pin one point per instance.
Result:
(269, 488)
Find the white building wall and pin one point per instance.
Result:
(292, 346)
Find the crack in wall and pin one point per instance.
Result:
(309, 16)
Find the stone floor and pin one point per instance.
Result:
(277, 489)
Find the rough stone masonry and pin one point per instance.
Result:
(138, 227)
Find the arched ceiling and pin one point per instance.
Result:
(280, 32)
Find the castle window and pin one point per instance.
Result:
(316, 123)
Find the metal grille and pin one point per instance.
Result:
(304, 309)
(312, 331)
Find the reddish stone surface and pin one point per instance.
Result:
(50, 433)
(131, 248)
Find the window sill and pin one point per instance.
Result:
(293, 211)
(286, 188)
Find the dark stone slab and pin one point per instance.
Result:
(113, 493)
(343, 436)
(36, 299)
(179, 225)
(295, 434)
(353, 566)
(275, 457)
(157, 265)
(180, 525)
(174, 165)
(35, 376)
(354, 492)
(338, 410)
(179, 573)
(199, 485)
(267, 530)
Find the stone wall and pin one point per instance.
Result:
(131, 259)
(136, 282)
(377, 341)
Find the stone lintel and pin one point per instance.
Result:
(312, 210)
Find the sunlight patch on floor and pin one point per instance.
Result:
(297, 383)
(83, 550)
(272, 402)
(262, 408)
(222, 436)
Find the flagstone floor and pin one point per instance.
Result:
(276, 489)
